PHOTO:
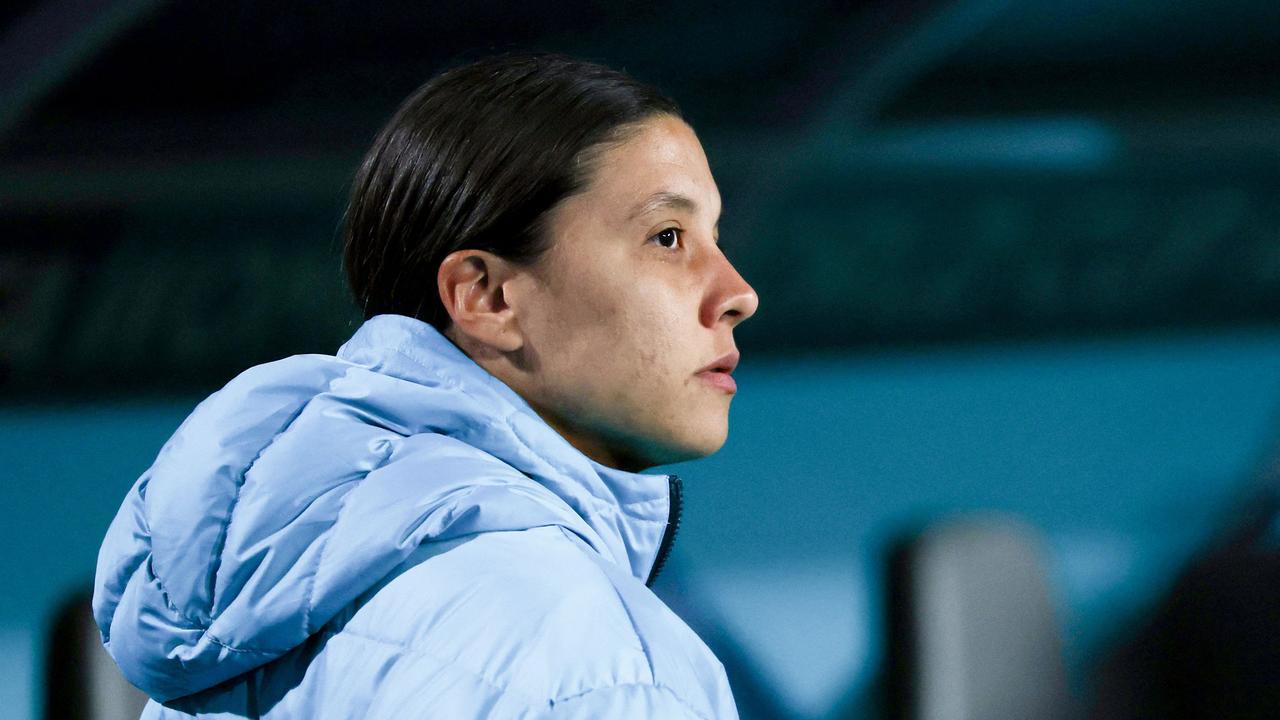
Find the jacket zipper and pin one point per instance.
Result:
(674, 508)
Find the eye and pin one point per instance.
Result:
(670, 235)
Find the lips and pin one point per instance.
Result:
(724, 364)
(718, 372)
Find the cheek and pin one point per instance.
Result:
(615, 337)
(650, 324)
(632, 342)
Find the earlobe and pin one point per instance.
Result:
(472, 287)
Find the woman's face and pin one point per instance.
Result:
(632, 302)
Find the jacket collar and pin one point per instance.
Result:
(627, 512)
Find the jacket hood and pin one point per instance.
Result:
(300, 485)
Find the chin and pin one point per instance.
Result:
(700, 445)
(713, 445)
(670, 445)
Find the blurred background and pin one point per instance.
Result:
(1007, 426)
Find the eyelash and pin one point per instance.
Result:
(724, 249)
(678, 232)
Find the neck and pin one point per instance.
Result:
(592, 446)
(501, 366)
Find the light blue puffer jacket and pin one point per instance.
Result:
(394, 533)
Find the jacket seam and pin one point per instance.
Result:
(415, 650)
(635, 630)
(656, 498)
(644, 646)
(243, 479)
(324, 545)
(244, 650)
(655, 685)
(216, 558)
(188, 624)
(356, 483)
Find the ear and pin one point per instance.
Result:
(472, 286)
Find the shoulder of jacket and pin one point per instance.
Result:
(641, 700)
(526, 609)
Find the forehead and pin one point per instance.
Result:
(662, 165)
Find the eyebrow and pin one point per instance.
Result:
(663, 199)
(666, 199)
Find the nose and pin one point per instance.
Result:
(731, 299)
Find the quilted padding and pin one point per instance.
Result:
(392, 530)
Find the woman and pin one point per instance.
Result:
(448, 518)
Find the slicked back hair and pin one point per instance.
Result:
(475, 159)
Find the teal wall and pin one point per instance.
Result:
(1126, 453)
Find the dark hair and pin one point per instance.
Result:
(475, 159)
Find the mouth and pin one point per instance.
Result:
(718, 373)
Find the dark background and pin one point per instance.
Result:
(895, 174)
